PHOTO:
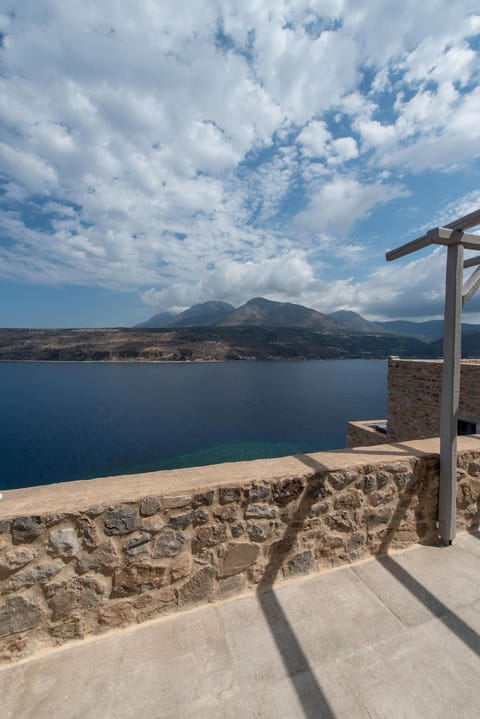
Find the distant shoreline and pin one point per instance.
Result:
(201, 345)
(207, 361)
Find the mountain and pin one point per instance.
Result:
(424, 331)
(260, 312)
(470, 345)
(428, 331)
(204, 314)
(357, 323)
(163, 319)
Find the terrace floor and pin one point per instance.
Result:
(398, 637)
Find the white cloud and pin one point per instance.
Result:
(28, 169)
(317, 141)
(431, 61)
(314, 138)
(374, 134)
(454, 137)
(343, 149)
(155, 151)
(339, 203)
(280, 278)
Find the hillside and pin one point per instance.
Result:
(428, 331)
(470, 346)
(257, 312)
(199, 344)
(260, 312)
(357, 323)
(162, 319)
(215, 331)
(203, 314)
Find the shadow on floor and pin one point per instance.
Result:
(314, 702)
(312, 698)
(451, 620)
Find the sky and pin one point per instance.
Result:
(158, 154)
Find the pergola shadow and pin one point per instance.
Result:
(447, 616)
(308, 689)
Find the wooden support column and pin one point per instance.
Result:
(450, 394)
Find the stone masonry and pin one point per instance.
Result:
(81, 568)
(414, 393)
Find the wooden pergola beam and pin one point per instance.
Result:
(470, 286)
(450, 398)
(419, 244)
(465, 222)
(446, 236)
(472, 262)
(437, 236)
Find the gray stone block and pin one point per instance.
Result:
(18, 615)
(33, 575)
(63, 542)
(168, 543)
(238, 557)
(149, 505)
(261, 511)
(120, 521)
(26, 529)
(198, 588)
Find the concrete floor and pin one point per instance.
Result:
(398, 638)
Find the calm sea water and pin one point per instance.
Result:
(61, 422)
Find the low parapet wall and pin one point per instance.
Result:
(80, 558)
(364, 434)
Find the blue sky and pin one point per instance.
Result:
(158, 154)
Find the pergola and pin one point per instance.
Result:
(457, 293)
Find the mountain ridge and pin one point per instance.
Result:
(261, 312)
(202, 314)
(256, 312)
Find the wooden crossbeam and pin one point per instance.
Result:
(437, 236)
(446, 236)
(419, 244)
(465, 222)
(472, 262)
(470, 286)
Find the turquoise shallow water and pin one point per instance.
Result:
(61, 422)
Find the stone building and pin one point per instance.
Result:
(413, 410)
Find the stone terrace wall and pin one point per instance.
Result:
(414, 390)
(82, 558)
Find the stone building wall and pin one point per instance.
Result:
(81, 558)
(414, 391)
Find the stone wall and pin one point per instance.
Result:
(363, 434)
(80, 558)
(414, 391)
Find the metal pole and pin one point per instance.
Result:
(450, 394)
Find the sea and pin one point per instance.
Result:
(67, 421)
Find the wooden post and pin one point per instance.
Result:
(454, 237)
(450, 394)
